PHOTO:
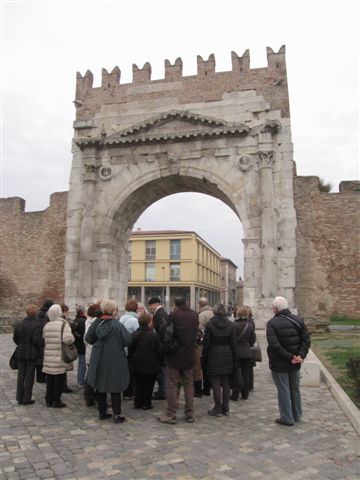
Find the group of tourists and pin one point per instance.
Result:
(126, 356)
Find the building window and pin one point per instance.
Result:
(175, 249)
(150, 249)
(150, 272)
(174, 272)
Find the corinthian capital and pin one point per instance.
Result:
(265, 159)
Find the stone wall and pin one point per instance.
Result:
(32, 255)
(327, 264)
(328, 249)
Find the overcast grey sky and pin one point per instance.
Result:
(45, 43)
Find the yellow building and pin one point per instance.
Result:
(168, 263)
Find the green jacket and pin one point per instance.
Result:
(108, 369)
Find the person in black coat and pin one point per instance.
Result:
(288, 345)
(219, 354)
(28, 338)
(144, 357)
(245, 338)
(78, 330)
(159, 321)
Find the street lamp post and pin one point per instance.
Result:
(163, 280)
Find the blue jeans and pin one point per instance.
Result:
(161, 380)
(289, 399)
(81, 373)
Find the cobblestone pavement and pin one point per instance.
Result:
(71, 443)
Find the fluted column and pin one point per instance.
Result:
(269, 272)
(87, 229)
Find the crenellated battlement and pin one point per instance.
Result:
(174, 72)
(206, 85)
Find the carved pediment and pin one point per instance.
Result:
(170, 126)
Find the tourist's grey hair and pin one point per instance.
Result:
(203, 301)
(108, 307)
(280, 303)
(220, 309)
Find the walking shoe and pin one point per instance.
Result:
(104, 416)
(49, 404)
(158, 396)
(58, 405)
(166, 419)
(147, 407)
(281, 422)
(214, 413)
(225, 412)
(190, 419)
(29, 402)
(66, 390)
(119, 419)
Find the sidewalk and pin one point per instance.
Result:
(71, 443)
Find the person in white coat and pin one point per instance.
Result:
(54, 366)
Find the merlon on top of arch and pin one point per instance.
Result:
(174, 72)
(161, 128)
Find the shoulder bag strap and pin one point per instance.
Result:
(243, 332)
(62, 330)
(293, 321)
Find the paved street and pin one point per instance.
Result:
(71, 443)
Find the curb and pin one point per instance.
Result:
(344, 401)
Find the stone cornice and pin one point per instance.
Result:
(145, 132)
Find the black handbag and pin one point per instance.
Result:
(256, 352)
(13, 362)
(68, 352)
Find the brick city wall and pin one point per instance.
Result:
(328, 249)
(327, 265)
(206, 86)
(32, 246)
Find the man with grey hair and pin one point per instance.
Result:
(288, 345)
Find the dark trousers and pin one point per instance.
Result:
(129, 392)
(115, 403)
(54, 386)
(40, 375)
(89, 394)
(144, 384)
(25, 380)
(221, 392)
(206, 378)
(245, 367)
(251, 382)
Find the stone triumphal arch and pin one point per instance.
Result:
(226, 134)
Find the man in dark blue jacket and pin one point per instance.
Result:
(288, 345)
